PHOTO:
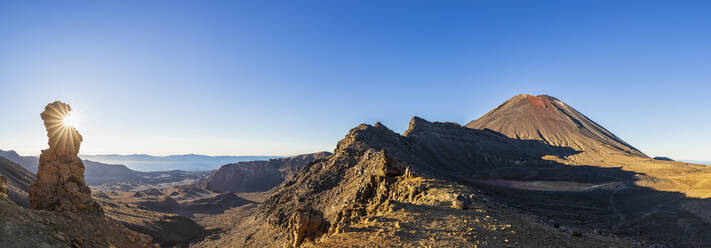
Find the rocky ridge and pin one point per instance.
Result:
(387, 185)
(573, 184)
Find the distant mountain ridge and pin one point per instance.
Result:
(187, 162)
(96, 173)
(698, 162)
(145, 162)
(28, 162)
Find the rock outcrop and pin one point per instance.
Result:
(306, 224)
(73, 218)
(3, 185)
(60, 182)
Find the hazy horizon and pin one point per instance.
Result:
(253, 78)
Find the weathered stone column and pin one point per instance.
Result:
(60, 176)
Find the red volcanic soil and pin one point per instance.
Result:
(537, 101)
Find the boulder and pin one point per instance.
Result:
(306, 224)
(461, 202)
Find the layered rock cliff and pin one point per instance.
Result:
(255, 176)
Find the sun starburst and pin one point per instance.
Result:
(60, 124)
(70, 120)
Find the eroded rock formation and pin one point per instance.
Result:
(306, 223)
(60, 182)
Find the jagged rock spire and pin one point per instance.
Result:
(60, 182)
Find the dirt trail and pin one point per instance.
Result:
(613, 208)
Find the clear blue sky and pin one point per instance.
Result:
(288, 77)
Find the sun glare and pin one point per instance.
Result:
(70, 120)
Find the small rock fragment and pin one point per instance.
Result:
(3, 185)
(461, 202)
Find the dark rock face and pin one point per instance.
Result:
(551, 121)
(256, 176)
(461, 202)
(60, 182)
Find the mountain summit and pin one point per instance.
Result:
(551, 121)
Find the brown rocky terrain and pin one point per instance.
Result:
(179, 215)
(533, 172)
(165, 228)
(18, 181)
(557, 179)
(257, 176)
(388, 190)
(23, 227)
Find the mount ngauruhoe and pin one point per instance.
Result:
(553, 122)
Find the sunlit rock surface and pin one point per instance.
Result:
(60, 182)
(3, 185)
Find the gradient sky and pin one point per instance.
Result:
(289, 77)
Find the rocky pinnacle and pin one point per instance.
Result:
(60, 182)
